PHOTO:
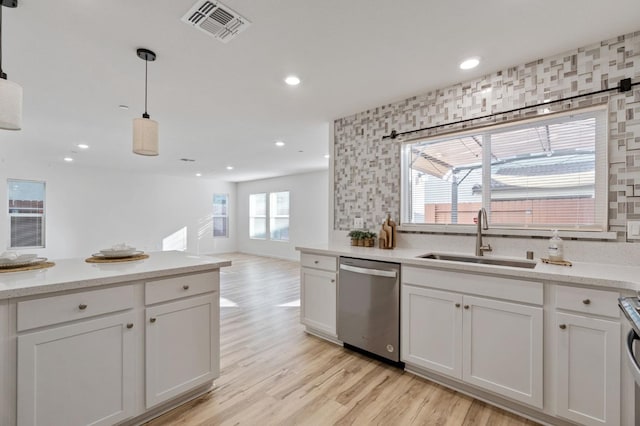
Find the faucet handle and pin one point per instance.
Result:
(486, 248)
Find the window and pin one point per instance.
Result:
(220, 215)
(258, 216)
(542, 173)
(275, 224)
(279, 215)
(26, 213)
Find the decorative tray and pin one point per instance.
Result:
(19, 263)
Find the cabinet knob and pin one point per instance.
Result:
(152, 319)
(562, 326)
(333, 281)
(466, 306)
(316, 262)
(82, 306)
(586, 301)
(457, 305)
(130, 325)
(186, 287)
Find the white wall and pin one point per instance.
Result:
(90, 209)
(309, 210)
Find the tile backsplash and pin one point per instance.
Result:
(367, 167)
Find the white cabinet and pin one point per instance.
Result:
(495, 345)
(318, 294)
(182, 340)
(502, 348)
(588, 369)
(432, 330)
(77, 374)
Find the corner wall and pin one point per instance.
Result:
(308, 214)
(90, 209)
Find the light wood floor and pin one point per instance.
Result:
(273, 373)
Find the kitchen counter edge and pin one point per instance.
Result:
(582, 273)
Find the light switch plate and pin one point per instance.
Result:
(358, 223)
(633, 230)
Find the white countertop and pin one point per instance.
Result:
(69, 274)
(588, 274)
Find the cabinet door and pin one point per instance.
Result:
(318, 297)
(79, 374)
(588, 375)
(502, 348)
(182, 346)
(432, 330)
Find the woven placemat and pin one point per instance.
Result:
(556, 262)
(94, 259)
(42, 265)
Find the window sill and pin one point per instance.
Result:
(539, 233)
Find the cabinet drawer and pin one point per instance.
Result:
(56, 309)
(317, 261)
(598, 302)
(157, 291)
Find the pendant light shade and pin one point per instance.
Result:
(10, 92)
(145, 136)
(10, 105)
(145, 130)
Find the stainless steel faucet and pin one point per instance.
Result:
(480, 248)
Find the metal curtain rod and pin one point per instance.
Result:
(624, 86)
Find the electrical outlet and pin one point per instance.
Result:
(358, 222)
(633, 230)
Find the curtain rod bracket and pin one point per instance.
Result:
(625, 85)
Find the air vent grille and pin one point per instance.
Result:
(216, 19)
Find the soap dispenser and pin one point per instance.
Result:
(555, 247)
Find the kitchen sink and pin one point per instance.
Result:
(481, 260)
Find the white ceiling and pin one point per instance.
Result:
(226, 104)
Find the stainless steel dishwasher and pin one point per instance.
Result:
(369, 306)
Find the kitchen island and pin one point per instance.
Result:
(545, 342)
(117, 343)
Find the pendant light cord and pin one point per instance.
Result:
(146, 68)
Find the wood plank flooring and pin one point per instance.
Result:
(273, 373)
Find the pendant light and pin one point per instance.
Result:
(10, 92)
(145, 130)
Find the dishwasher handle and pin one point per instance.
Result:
(367, 271)
(633, 362)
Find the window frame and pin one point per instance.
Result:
(224, 216)
(277, 216)
(44, 215)
(268, 216)
(597, 231)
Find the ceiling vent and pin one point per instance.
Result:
(216, 19)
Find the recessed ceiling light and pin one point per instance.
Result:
(279, 143)
(469, 63)
(68, 159)
(292, 80)
(198, 174)
(83, 146)
(229, 167)
(123, 107)
(327, 156)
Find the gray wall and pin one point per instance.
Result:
(367, 168)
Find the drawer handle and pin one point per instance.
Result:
(586, 301)
(82, 306)
(152, 319)
(457, 305)
(186, 287)
(316, 262)
(562, 326)
(130, 325)
(466, 306)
